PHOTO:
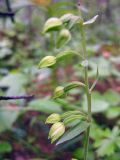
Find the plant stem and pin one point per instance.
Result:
(88, 93)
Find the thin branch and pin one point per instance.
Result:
(7, 14)
(16, 97)
(9, 9)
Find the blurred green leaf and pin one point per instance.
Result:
(44, 105)
(107, 146)
(113, 112)
(5, 147)
(15, 83)
(98, 103)
(7, 118)
(112, 97)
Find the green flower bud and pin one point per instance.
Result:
(71, 20)
(63, 38)
(47, 61)
(53, 118)
(56, 131)
(59, 92)
(52, 24)
(66, 17)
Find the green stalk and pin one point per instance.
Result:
(88, 93)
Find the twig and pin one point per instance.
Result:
(16, 97)
(7, 14)
(9, 9)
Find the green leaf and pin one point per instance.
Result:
(69, 113)
(73, 132)
(107, 146)
(98, 103)
(73, 85)
(113, 112)
(105, 67)
(7, 118)
(112, 97)
(15, 83)
(73, 118)
(65, 54)
(5, 147)
(66, 105)
(11, 79)
(44, 105)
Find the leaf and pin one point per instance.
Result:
(5, 147)
(73, 118)
(7, 118)
(91, 20)
(44, 105)
(107, 146)
(105, 67)
(69, 113)
(113, 112)
(73, 132)
(11, 79)
(15, 83)
(73, 85)
(112, 97)
(65, 54)
(66, 105)
(98, 103)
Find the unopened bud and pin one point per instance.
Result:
(56, 131)
(66, 17)
(52, 24)
(59, 92)
(53, 118)
(47, 61)
(63, 38)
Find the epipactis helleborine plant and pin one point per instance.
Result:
(62, 28)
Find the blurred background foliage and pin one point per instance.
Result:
(23, 135)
